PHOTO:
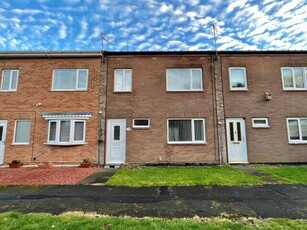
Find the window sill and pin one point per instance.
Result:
(260, 127)
(69, 90)
(298, 143)
(20, 144)
(185, 91)
(294, 90)
(8, 91)
(187, 143)
(119, 92)
(65, 144)
(238, 90)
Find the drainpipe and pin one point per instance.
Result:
(220, 111)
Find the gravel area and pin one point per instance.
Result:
(39, 176)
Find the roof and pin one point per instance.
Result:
(99, 53)
(45, 53)
(205, 52)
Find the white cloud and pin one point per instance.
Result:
(287, 7)
(234, 4)
(83, 29)
(165, 8)
(26, 11)
(62, 32)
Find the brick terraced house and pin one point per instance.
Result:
(203, 107)
(49, 106)
(154, 107)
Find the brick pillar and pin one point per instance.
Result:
(102, 110)
(220, 113)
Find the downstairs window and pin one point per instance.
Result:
(186, 131)
(66, 128)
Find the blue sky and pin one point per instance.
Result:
(153, 24)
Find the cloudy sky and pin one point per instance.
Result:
(153, 24)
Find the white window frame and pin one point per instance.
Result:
(192, 129)
(11, 79)
(124, 80)
(265, 125)
(245, 79)
(77, 80)
(294, 88)
(191, 82)
(141, 126)
(71, 133)
(300, 141)
(15, 129)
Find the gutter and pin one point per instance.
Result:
(49, 54)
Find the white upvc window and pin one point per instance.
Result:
(237, 79)
(70, 79)
(260, 122)
(294, 78)
(186, 131)
(9, 80)
(297, 130)
(66, 132)
(22, 132)
(122, 80)
(184, 79)
(141, 123)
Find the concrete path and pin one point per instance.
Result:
(250, 169)
(99, 177)
(278, 201)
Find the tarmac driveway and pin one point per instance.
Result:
(276, 201)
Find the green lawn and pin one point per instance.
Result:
(74, 221)
(291, 174)
(182, 176)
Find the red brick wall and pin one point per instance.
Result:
(34, 86)
(264, 75)
(150, 99)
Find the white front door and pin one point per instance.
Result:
(3, 125)
(236, 140)
(116, 142)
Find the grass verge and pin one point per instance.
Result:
(74, 221)
(291, 174)
(182, 176)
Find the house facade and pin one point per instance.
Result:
(160, 108)
(203, 107)
(265, 106)
(49, 106)
(153, 107)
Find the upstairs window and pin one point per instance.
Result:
(186, 131)
(70, 79)
(294, 78)
(184, 79)
(123, 80)
(297, 130)
(237, 78)
(9, 80)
